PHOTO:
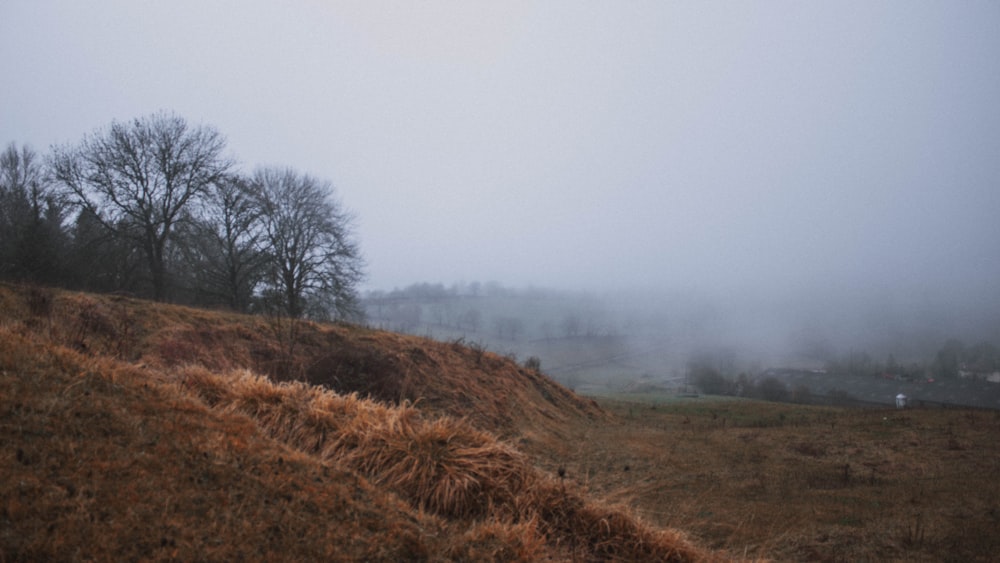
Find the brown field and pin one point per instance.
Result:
(800, 483)
(133, 430)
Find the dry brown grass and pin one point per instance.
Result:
(801, 483)
(489, 391)
(440, 465)
(98, 464)
(115, 449)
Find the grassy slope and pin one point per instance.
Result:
(466, 382)
(99, 465)
(135, 430)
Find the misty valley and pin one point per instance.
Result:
(745, 308)
(854, 352)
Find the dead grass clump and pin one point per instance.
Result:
(295, 414)
(603, 531)
(442, 466)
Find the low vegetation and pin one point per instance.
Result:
(800, 483)
(135, 430)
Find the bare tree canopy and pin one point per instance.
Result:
(315, 264)
(160, 211)
(138, 177)
(223, 244)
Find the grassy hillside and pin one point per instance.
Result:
(453, 379)
(134, 430)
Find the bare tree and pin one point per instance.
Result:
(223, 244)
(314, 262)
(144, 174)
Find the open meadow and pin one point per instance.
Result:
(794, 482)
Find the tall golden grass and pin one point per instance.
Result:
(440, 465)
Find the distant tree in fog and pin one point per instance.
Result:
(475, 288)
(546, 330)
(508, 327)
(801, 393)
(471, 320)
(403, 317)
(571, 325)
(771, 389)
(983, 357)
(709, 380)
(314, 264)
(442, 313)
(948, 359)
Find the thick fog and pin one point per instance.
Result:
(794, 170)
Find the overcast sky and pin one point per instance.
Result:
(726, 145)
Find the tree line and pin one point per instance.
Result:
(153, 207)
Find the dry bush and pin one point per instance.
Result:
(603, 531)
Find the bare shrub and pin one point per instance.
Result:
(534, 363)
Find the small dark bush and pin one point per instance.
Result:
(772, 389)
(711, 382)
